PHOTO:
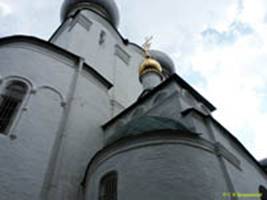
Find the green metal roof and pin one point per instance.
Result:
(145, 124)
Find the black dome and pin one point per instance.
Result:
(164, 60)
(109, 6)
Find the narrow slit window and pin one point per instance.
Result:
(108, 187)
(10, 101)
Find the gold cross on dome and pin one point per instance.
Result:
(147, 44)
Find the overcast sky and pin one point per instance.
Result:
(218, 46)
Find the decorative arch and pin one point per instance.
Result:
(27, 81)
(54, 90)
(23, 79)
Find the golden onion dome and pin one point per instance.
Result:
(149, 65)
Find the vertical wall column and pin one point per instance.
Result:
(51, 185)
(222, 163)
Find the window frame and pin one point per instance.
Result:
(113, 175)
(263, 192)
(17, 113)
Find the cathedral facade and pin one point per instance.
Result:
(88, 115)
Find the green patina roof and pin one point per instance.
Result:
(146, 124)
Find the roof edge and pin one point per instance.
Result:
(173, 77)
(36, 41)
(229, 134)
(51, 46)
(123, 40)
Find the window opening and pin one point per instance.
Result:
(10, 101)
(108, 187)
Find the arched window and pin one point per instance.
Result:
(10, 101)
(108, 187)
(263, 191)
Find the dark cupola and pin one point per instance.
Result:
(168, 67)
(106, 8)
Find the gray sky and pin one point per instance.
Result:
(220, 47)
